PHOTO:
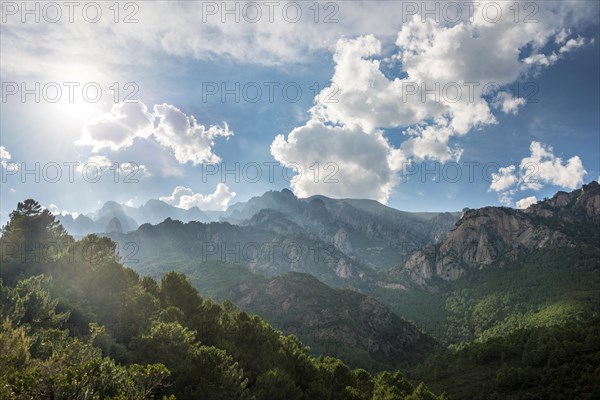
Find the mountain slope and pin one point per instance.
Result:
(502, 270)
(73, 329)
(365, 230)
(357, 328)
(498, 235)
(262, 251)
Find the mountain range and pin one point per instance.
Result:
(486, 303)
(449, 276)
(365, 230)
(123, 218)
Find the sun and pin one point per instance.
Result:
(81, 92)
(68, 100)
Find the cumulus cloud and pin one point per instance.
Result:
(507, 103)
(542, 167)
(526, 202)
(351, 163)
(4, 154)
(541, 59)
(190, 141)
(133, 170)
(449, 79)
(504, 178)
(548, 169)
(430, 142)
(573, 43)
(184, 197)
(118, 128)
(5, 157)
(169, 126)
(446, 72)
(131, 202)
(562, 36)
(549, 59)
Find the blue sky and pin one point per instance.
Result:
(535, 133)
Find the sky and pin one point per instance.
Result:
(423, 106)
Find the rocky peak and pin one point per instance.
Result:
(492, 234)
(582, 204)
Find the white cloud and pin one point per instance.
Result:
(549, 59)
(80, 50)
(184, 197)
(55, 210)
(542, 167)
(190, 141)
(4, 154)
(504, 178)
(133, 169)
(132, 202)
(102, 162)
(430, 142)
(546, 168)
(573, 44)
(172, 129)
(507, 103)
(526, 202)
(171, 31)
(562, 36)
(455, 62)
(118, 128)
(440, 89)
(351, 163)
(429, 53)
(446, 70)
(506, 199)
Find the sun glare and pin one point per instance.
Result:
(81, 93)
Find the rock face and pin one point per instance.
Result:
(497, 235)
(341, 241)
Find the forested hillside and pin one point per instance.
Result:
(77, 324)
(357, 328)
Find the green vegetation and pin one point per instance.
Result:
(521, 328)
(79, 325)
(540, 289)
(557, 362)
(332, 322)
(76, 324)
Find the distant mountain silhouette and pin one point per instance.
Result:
(130, 218)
